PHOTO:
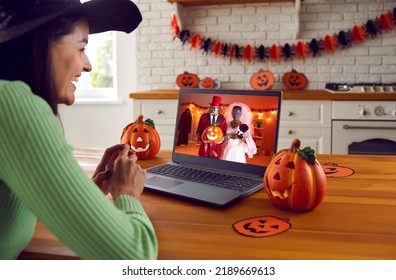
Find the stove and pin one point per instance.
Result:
(361, 87)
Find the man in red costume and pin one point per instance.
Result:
(212, 118)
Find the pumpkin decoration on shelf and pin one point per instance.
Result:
(262, 80)
(295, 80)
(209, 83)
(187, 80)
(142, 137)
(295, 180)
(213, 134)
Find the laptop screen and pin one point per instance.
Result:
(236, 130)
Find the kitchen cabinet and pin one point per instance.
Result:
(163, 113)
(308, 120)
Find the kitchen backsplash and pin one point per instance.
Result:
(160, 57)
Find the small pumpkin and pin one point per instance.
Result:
(142, 137)
(207, 83)
(213, 134)
(295, 80)
(187, 80)
(295, 180)
(262, 80)
(262, 226)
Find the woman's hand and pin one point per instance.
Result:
(127, 176)
(104, 169)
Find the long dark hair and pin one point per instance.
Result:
(28, 58)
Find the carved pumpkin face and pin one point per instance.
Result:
(295, 80)
(212, 134)
(335, 170)
(142, 137)
(262, 226)
(292, 182)
(262, 80)
(207, 83)
(187, 80)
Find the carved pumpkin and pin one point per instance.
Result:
(187, 80)
(262, 226)
(294, 179)
(295, 80)
(212, 134)
(262, 80)
(142, 137)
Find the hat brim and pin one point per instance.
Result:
(102, 16)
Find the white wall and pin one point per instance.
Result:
(159, 58)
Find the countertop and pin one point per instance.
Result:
(356, 219)
(287, 95)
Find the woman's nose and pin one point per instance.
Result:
(87, 66)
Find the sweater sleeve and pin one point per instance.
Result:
(38, 166)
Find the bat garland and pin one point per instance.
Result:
(302, 49)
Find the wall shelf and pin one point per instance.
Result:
(221, 2)
(180, 11)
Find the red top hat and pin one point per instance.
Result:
(216, 101)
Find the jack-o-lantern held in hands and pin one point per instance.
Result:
(142, 137)
(211, 128)
(295, 180)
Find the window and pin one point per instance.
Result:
(113, 69)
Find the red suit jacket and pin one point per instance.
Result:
(210, 149)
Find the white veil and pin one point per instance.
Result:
(246, 116)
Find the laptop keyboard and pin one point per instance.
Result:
(207, 177)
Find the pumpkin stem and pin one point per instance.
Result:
(139, 119)
(307, 154)
(295, 146)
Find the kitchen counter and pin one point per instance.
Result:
(287, 95)
(356, 220)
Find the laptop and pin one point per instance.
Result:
(218, 155)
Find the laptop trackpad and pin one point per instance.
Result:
(163, 182)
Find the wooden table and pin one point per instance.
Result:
(356, 220)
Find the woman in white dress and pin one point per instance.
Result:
(238, 138)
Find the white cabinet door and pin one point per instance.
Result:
(163, 113)
(310, 121)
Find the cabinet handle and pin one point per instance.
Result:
(159, 112)
(290, 132)
(290, 113)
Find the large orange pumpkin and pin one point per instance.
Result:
(142, 137)
(187, 80)
(213, 134)
(295, 80)
(262, 80)
(294, 179)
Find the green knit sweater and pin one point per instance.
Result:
(40, 178)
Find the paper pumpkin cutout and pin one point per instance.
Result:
(262, 80)
(263, 226)
(209, 83)
(295, 80)
(335, 170)
(187, 80)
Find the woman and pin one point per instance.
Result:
(42, 47)
(238, 138)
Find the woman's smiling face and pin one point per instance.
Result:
(69, 61)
